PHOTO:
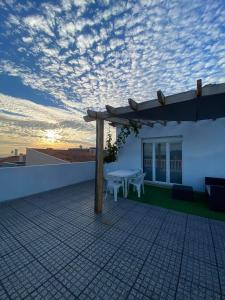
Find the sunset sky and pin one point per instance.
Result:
(58, 58)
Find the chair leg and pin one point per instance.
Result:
(143, 188)
(115, 194)
(139, 191)
(106, 194)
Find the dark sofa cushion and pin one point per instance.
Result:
(217, 197)
(215, 189)
(214, 181)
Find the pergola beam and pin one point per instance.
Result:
(133, 104)
(199, 88)
(111, 110)
(210, 89)
(161, 97)
(120, 121)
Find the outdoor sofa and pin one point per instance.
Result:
(215, 190)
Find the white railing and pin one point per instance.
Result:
(175, 164)
(16, 182)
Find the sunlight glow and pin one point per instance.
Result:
(51, 136)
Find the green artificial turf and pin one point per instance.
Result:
(161, 196)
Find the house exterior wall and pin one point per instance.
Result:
(203, 149)
(16, 182)
(34, 157)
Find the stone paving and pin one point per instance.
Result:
(53, 246)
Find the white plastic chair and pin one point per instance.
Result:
(139, 172)
(138, 183)
(113, 185)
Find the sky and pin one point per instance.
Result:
(59, 58)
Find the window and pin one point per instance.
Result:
(162, 160)
(147, 160)
(176, 162)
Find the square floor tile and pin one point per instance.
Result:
(26, 280)
(42, 245)
(13, 261)
(155, 283)
(64, 232)
(164, 259)
(200, 273)
(125, 225)
(124, 266)
(136, 295)
(29, 235)
(57, 258)
(78, 274)
(8, 243)
(51, 289)
(137, 246)
(203, 252)
(105, 286)
(222, 280)
(80, 240)
(97, 229)
(189, 290)
(173, 242)
(146, 232)
(3, 294)
(114, 237)
(99, 252)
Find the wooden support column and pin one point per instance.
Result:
(99, 180)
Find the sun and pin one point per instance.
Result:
(51, 136)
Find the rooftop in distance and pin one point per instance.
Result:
(35, 156)
(71, 154)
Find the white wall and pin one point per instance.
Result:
(16, 182)
(34, 157)
(203, 149)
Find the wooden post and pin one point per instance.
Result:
(199, 88)
(99, 180)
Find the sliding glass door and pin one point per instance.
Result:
(175, 162)
(147, 156)
(162, 160)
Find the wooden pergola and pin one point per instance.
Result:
(204, 102)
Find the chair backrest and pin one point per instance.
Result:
(138, 172)
(140, 178)
(111, 180)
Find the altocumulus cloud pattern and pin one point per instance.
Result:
(81, 54)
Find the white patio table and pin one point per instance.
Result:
(124, 175)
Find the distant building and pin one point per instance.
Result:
(13, 161)
(55, 156)
(92, 150)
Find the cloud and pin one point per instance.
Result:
(37, 23)
(86, 55)
(27, 39)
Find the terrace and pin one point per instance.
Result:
(53, 246)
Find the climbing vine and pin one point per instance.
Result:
(112, 148)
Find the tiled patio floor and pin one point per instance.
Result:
(54, 247)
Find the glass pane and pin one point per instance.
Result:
(147, 160)
(160, 157)
(176, 163)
